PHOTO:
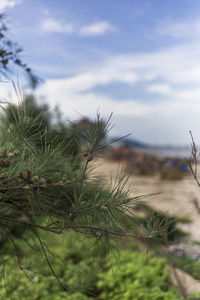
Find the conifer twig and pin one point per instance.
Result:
(14, 220)
(98, 229)
(48, 262)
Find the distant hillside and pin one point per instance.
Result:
(165, 150)
(138, 144)
(134, 143)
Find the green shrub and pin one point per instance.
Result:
(73, 261)
(171, 174)
(138, 277)
(94, 272)
(160, 225)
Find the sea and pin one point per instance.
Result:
(179, 152)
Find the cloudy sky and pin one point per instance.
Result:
(137, 59)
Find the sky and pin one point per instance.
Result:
(139, 59)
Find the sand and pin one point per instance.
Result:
(175, 197)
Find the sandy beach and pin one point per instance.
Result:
(175, 197)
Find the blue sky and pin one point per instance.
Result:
(139, 59)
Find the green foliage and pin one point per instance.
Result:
(189, 265)
(171, 174)
(160, 225)
(46, 126)
(35, 168)
(93, 271)
(74, 262)
(36, 176)
(136, 276)
(43, 188)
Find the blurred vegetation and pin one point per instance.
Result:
(90, 267)
(160, 225)
(188, 265)
(137, 277)
(149, 164)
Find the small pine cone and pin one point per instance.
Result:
(16, 152)
(104, 207)
(26, 174)
(34, 178)
(3, 175)
(26, 187)
(11, 154)
(42, 181)
(29, 173)
(5, 163)
(49, 181)
(64, 179)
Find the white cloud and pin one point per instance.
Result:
(4, 4)
(178, 65)
(87, 81)
(162, 89)
(161, 122)
(50, 24)
(57, 26)
(188, 30)
(172, 75)
(98, 28)
(8, 92)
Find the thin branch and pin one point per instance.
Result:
(15, 246)
(107, 231)
(196, 205)
(82, 179)
(19, 187)
(9, 219)
(193, 167)
(48, 262)
(172, 264)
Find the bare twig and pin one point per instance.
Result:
(173, 268)
(193, 161)
(193, 165)
(196, 205)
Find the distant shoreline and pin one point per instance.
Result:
(171, 152)
(179, 151)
